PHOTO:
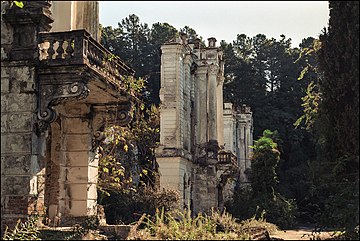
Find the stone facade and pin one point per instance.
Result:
(57, 94)
(202, 148)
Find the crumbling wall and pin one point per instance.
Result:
(22, 149)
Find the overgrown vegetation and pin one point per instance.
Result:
(334, 122)
(262, 197)
(125, 207)
(26, 230)
(182, 225)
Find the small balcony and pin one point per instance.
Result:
(227, 157)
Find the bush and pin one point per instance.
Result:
(182, 225)
(178, 225)
(126, 207)
(261, 198)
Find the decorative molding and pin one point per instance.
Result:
(52, 94)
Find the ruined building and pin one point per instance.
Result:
(58, 91)
(204, 143)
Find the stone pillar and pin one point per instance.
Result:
(62, 14)
(187, 102)
(170, 112)
(201, 86)
(205, 193)
(22, 147)
(73, 15)
(212, 103)
(72, 166)
(229, 130)
(220, 110)
(173, 154)
(85, 15)
(244, 119)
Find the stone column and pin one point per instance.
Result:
(228, 127)
(73, 15)
(212, 103)
(242, 148)
(220, 109)
(187, 102)
(85, 15)
(170, 109)
(78, 164)
(201, 120)
(62, 14)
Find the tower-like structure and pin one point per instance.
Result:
(191, 155)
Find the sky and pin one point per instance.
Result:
(224, 20)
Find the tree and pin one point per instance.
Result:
(263, 73)
(336, 124)
(263, 197)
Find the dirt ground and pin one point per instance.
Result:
(301, 233)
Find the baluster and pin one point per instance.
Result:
(69, 48)
(51, 50)
(60, 50)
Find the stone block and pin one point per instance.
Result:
(16, 185)
(21, 102)
(77, 142)
(75, 126)
(4, 103)
(4, 84)
(80, 174)
(76, 158)
(18, 165)
(22, 73)
(77, 208)
(78, 191)
(16, 143)
(4, 123)
(20, 122)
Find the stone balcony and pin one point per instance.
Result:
(73, 65)
(227, 157)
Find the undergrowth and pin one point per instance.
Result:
(182, 225)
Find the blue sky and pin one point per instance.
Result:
(225, 19)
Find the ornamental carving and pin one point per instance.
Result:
(51, 95)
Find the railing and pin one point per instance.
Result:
(227, 157)
(77, 47)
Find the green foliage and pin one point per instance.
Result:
(124, 207)
(262, 197)
(265, 160)
(182, 225)
(311, 71)
(18, 4)
(263, 73)
(27, 230)
(331, 113)
(127, 153)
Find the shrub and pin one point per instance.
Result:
(126, 207)
(185, 226)
(261, 198)
(178, 225)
